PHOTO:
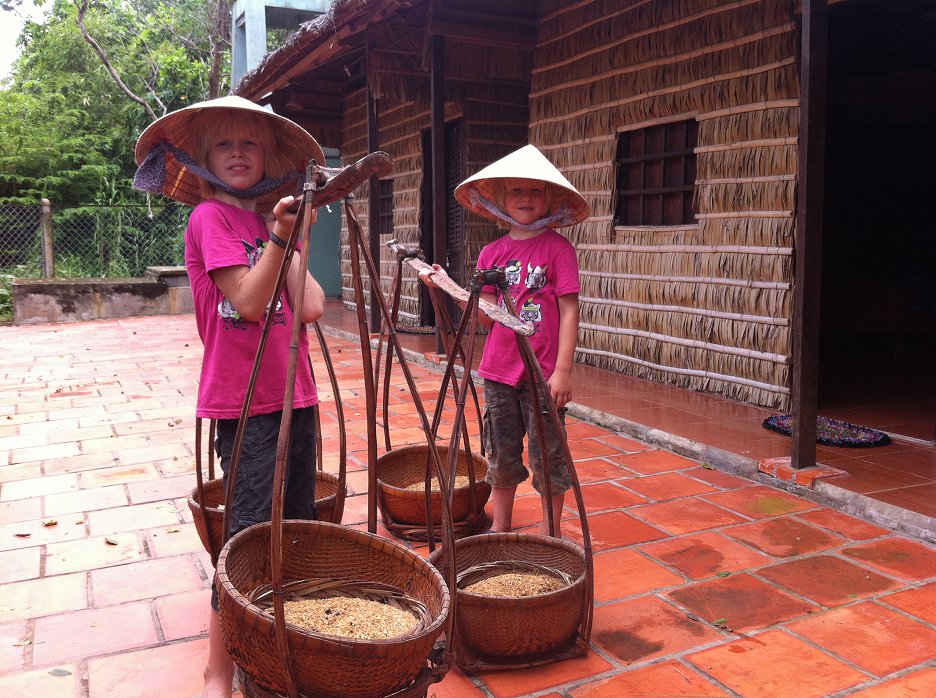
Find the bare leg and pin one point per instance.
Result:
(219, 672)
(557, 502)
(502, 500)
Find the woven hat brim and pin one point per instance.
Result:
(526, 163)
(293, 142)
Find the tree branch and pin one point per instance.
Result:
(82, 6)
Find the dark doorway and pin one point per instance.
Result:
(454, 213)
(878, 339)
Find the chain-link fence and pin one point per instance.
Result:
(87, 241)
(91, 241)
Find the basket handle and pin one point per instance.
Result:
(468, 325)
(359, 253)
(339, 413)
(543, 397)
(213, 547)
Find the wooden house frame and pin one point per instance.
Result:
(712, 286)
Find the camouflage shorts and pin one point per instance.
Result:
(508, 418)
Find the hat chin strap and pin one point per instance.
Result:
(562, 216)
(151, 174)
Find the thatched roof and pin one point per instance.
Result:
(339, 30)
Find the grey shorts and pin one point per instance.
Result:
(508, 417)
(252, 500)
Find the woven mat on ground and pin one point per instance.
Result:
(832, 432)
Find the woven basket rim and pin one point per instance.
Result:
(476, 457)
(520, 537)
(195, 504)
(562, 543)
(405, 491)
(370, 540)
(218, 482)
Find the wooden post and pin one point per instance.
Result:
(373, 208)
(808, 241)
(48, 251)
(437, 135)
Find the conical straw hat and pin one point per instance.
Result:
(526, 163)
(293, 143)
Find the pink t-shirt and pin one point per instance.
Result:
(539, 270)
(220, 235)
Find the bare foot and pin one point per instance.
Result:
(218, 688)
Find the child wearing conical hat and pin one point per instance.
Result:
(528, 197)
(235, 162)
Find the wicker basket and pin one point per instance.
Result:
(323, 666)
(509, 632)
(329, 505)
(403, 466)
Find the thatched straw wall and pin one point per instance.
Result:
(399, 132)
(495, 120)
(707, 305)
(354, 147)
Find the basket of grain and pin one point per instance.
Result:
(401, 492)
(521, 599)
(339, 565)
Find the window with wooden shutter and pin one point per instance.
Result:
(656, 172)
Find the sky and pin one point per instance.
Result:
(11, 23)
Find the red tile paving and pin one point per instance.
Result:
(876, 639)
(784, 537)
(703, 555)
(708, 581)
(773, 664)
(827, 580)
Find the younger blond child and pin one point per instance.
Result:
(526, 195)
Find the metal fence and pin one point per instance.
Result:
(89, 241)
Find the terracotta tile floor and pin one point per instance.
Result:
(708, 580)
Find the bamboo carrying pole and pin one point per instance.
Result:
(544, 407)
(342, 183)
(453, 348)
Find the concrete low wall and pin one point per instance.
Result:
(163, 291)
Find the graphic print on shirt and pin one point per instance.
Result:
(226, 310)
(536, 276)
(530, 312)
(512, 271)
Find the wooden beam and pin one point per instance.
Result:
(519, 37)
(808, 240)
(495, 312)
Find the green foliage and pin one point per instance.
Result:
(118, 240)
(65, 124)
(46, 149)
